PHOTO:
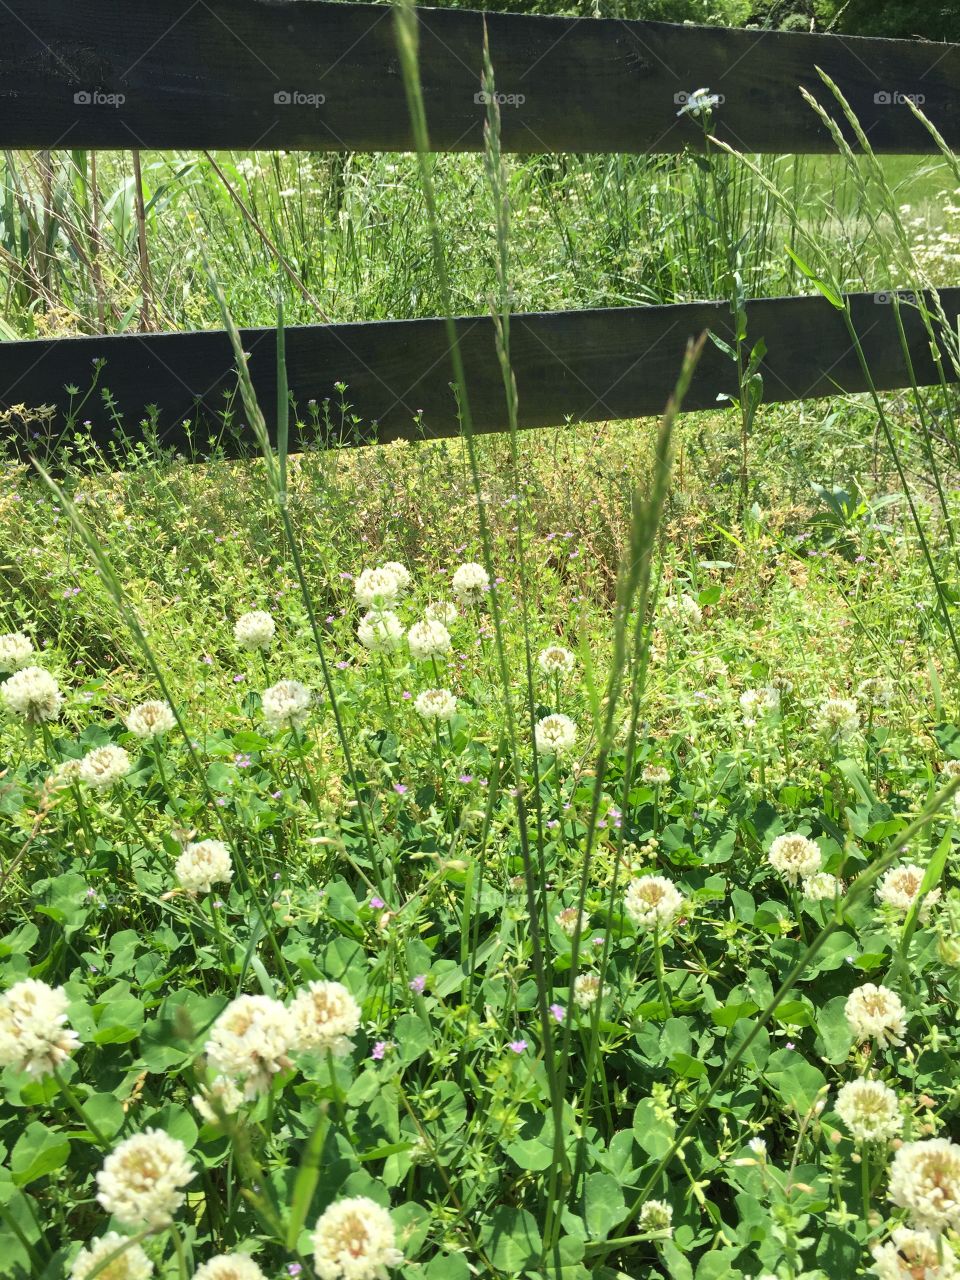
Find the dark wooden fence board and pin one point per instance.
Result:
(582, 366)
(206, 74)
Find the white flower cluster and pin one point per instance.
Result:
(821, 887)
(229, 1266)
(16, 650)
(377, 588)
(914, 1255)
(794, 857)
(870, 1110)
(141, 1180)
(325, 1016)
(286, 705)
(202, 865)
(250, 1042)
(470, 583)
(756, 703)
(436, 704)
(254, 630)
(899, 889)
(400, 572)
(655, 775)
(925, 1180)
(837, 719)
(653, 902)
(656, 1215)
(380, 631)
(428, 640)
(151, 720)
(219, 1098)
(355, 1239)
(444, 611)
(684, 609)
(32, 694)
(877, 691)
(555, 735)
(132, 1264)
(566, 920)
(587, 990)
(876, 1013)
(555, 660)
(103, 767)
(34, 1035)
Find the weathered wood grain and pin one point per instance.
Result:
(208, 74)
(579, 366)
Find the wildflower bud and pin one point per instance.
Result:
(384, 922)
(926, 1101)
(928, 1128)
(836, 1136)
(856, 1157)
(805, 1187)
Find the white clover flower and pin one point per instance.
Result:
(876, 1013)
(555, 735)
(566, 919)
(380, 631)
(286, 705)
(204, 864)
(951, 770)
(653, 902)
(16, 649)
(436, 704)
(756, 703)
(34, 1035)
(444, 611)
(684, 608)
(877, 692)
(376, 588)
(229, 1266)
(32, 694)
(656, 1215)
(102, 767)
(655, 775)
(698, 103)
(913, 1255)
(132, 1264)
(587, 990)
(254, 630)
(325, 1016)
(795, 857)
(555, 660)
(428, 640)
(400, 572)
(219, 1098)
(821, 887)
(250, 1042)
(470, 583)
(925, 1180)
(758, 1147)
(65, 774)
(837, 719)
(870, 1110)
(354, 1239)
(141, 1179)
(900, 886)
(151, 720)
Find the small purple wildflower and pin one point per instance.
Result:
(400, 788)
(465, 777)
(377, 903)
(379, 1049)
(418, 984)
(517, 1046)
(558, 1011)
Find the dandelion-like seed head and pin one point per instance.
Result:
(132, 1264)
(428, 640)
(913, 1255)
(436, 704)
(151, 720)
(286, 705)
(16, 650)
(837, 719)
(555, 660)
(870, 1110)
(250, 1042)
(103, 767)
(794, 857)
(355, 1239)
(377, 588)
(141, 1179)
(34, 1035)
(380, 631)
(254, 630)
(555, 735)
(653, 902)
(32, 694)
(444, 611)
(325, 1016)
(229, 1266)
(876, 1013)
(925, 1180)
(470, 583)
(204, 864)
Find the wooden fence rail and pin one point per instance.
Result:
(306, 74)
